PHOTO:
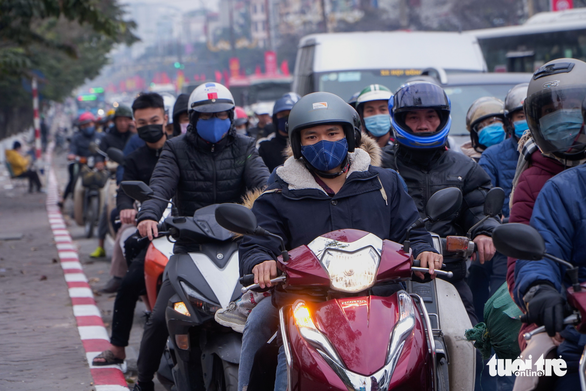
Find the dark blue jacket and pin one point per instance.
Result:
(296, 208)
(500, 163)
(560, 217)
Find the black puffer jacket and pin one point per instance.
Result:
(199, 174)
(271, 150)
(115, 139)
(138, 166)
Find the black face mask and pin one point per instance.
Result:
(151, 133)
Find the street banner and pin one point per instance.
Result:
(234, 67)
(270, 62)
(561, 5)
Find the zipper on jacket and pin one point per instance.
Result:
(214, 171)
(382, 191)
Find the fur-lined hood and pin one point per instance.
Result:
(367, 144)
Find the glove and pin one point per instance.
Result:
(545, 306)
(133, 247)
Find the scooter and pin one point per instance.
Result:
(204, 281)
(522, 241)
(340, 336)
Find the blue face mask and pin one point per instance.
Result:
(561, 127)
(213, 129)
(89, 131)
(520, 127)
(378, 125)
(325, 155)
(491, 135)
(282, 124)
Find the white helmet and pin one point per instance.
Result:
(210, 98)
(169, 102)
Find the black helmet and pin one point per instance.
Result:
(555, 108)
(322, 108)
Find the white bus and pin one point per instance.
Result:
(344, 63)
(544, 37)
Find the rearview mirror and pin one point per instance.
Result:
(444, 204)
(115, 155)
(138, 190)
(519, 241)
(93, 147)
(493, 203)
(236, 218)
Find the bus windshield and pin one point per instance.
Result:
(345, 84)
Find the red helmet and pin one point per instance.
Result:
(240, 116)
(86, 118)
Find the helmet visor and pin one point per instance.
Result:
(420, 96)
(556, 121)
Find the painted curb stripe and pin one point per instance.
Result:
(90, 325)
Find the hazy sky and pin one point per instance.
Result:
(186, 5)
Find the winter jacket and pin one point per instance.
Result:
(80, 145)
(271, 150)
(132, 145)
(138, 166)
(259, 133)
(114, 139)
(530, 183)
(179, 107)
(198, 173)
(500, 163)
(559, 216)
(18, 163)
(468, 150)
(296, 208)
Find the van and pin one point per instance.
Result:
(345, 63)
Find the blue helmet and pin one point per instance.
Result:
(419, 95)
(286, 102)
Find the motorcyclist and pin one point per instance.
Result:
(553, 123)
(353, 98)
(485, 121)
(500, 160)
(150, 116)
(169, 104)
(115, 137)
(420, 116)
(326, 185)
(264, 125)
(79, 148)
(272, 147)
(373, 107)
(210, 164)
(180, 115)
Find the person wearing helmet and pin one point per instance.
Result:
(264, 125)
(485, 121)
(210, 164)
(373, 107)
(353, 99)
(500, 160)
(79, 147)
(241, 121)
(271, 148)
(313, 193)
(169, 101)
(555, 113)
(420, 116)
(118, 135)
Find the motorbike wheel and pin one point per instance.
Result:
(91, 216)
(443, 378)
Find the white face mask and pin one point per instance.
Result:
(184, 127)
(241, 130)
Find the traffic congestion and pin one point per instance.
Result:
(374, 220)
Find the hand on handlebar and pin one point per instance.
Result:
(545, 306)
(128, 216)
(264, 272)
(429, 260)
(148, 228)
(485, 248)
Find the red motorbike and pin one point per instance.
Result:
(339, 334)
(522, 241)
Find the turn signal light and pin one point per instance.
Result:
(182, 341)
(181, 308)
(302, 317)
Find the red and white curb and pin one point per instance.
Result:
(90, 325)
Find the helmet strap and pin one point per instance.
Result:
(328, 175)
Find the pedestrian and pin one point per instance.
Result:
(21, 167)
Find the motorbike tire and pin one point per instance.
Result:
(443, 377)
(91, 216)
(230, 376)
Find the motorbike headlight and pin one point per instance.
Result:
(198, 301)
(302, 317)
(351, 271)
(181, 308)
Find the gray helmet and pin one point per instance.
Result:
(515, 98)
(322, 108)
(556, 91)
(123, 111)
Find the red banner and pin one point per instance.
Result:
(285, 67)
(561, 5)
(270, 62)
(218, 75)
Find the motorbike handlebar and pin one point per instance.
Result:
(438, 272)
(160, 235)
(572, 319)
(275, 280)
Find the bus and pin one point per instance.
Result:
(544, 37)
